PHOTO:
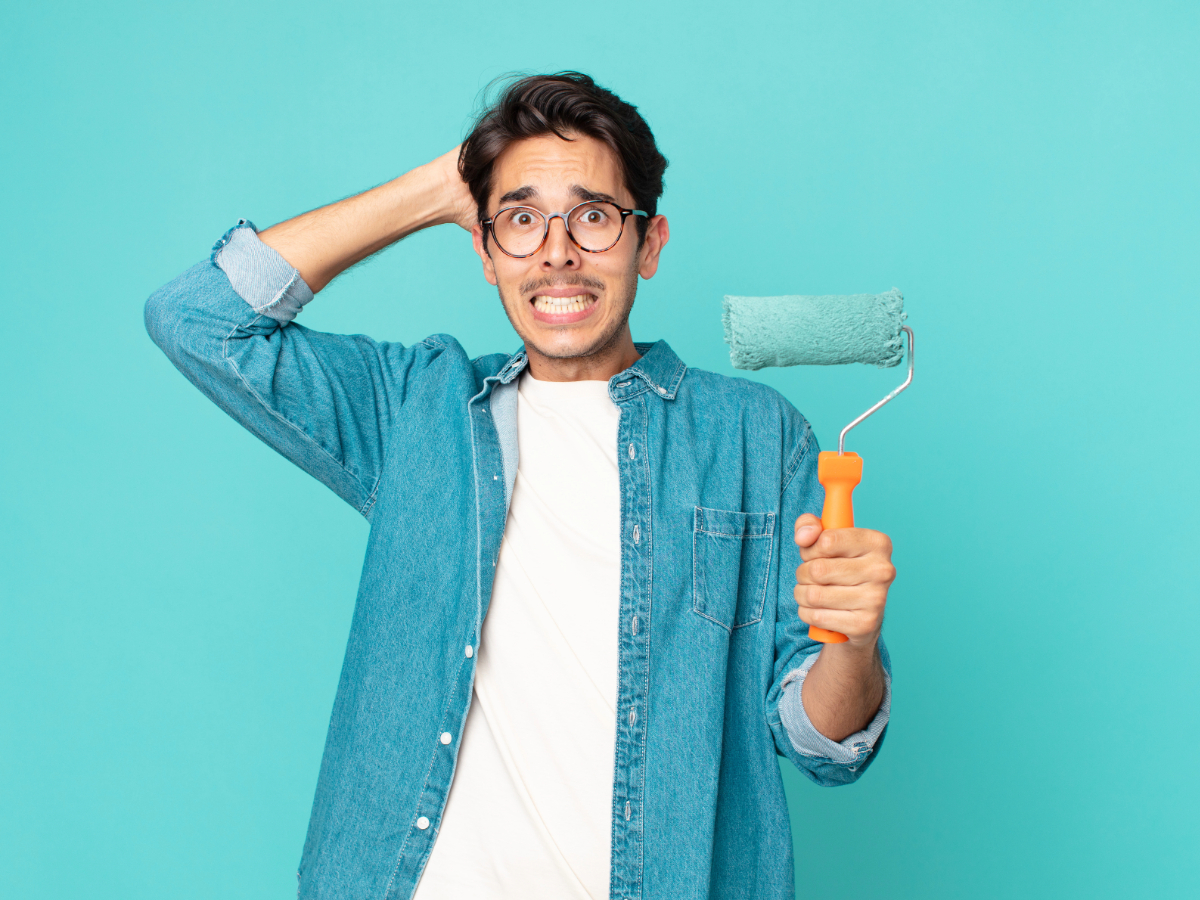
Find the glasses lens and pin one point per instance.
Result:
(518, 230)
(596, 226)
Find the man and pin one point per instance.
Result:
(580, 640)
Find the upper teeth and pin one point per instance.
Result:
(561, 304)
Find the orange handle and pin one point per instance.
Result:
(840, 474)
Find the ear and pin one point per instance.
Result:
(489, 270)
(657, 235)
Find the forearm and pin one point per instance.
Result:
(324, 242)
(844, 689)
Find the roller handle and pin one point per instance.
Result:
(840, 474)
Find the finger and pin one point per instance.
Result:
(852, 624)
(850, 571)
(869, 598)
(848, 542)
(808, 529)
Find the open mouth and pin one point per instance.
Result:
(563, 310)
(561, 305)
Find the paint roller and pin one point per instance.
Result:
(823, 331)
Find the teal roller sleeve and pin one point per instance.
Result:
(814, 331)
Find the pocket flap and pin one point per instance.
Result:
(731, 559)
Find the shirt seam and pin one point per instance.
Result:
(645, 462)
(797, 458)
(282, 418)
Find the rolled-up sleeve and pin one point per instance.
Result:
(261, 277)
(809, 742)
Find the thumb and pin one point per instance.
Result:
(808, 529)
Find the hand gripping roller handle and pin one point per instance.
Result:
(840, 473)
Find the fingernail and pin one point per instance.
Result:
(806, 533)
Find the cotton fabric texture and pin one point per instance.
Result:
(422, 440)
(814, 331)
(529, 812)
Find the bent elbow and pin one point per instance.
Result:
(183, 314)
(162, 316)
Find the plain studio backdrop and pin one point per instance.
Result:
(176, 598)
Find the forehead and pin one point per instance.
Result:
(551, 167)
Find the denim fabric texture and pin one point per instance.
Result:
(421, 440)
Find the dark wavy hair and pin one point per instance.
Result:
(562, 104)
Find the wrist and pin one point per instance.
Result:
(418, 201)
(858, 651)
(444, 191)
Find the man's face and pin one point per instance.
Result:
(563, 301)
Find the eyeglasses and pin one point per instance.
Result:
(593, 226)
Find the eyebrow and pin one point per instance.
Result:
(584, 194)
(529, 192)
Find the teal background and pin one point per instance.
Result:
(176, 598)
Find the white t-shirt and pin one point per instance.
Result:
(530, 809)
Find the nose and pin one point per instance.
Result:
(559, 251)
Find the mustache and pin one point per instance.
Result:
(532, 286)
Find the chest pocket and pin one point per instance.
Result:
(731, 558)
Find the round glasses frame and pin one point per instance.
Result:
(489, 224)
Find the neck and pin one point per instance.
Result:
(602, 365)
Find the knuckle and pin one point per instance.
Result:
(818, 569)
(830, 541)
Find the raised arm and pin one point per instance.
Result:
(323, 243)
(327, 402)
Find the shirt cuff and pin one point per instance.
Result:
(810, 742)
(261, 277)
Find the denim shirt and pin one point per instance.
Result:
(422, 441)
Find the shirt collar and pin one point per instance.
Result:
(659, 368)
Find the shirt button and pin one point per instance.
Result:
(422, 823)
(632, 451)
(445, 738)
(470, 651)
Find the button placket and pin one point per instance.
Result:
(629, 781)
